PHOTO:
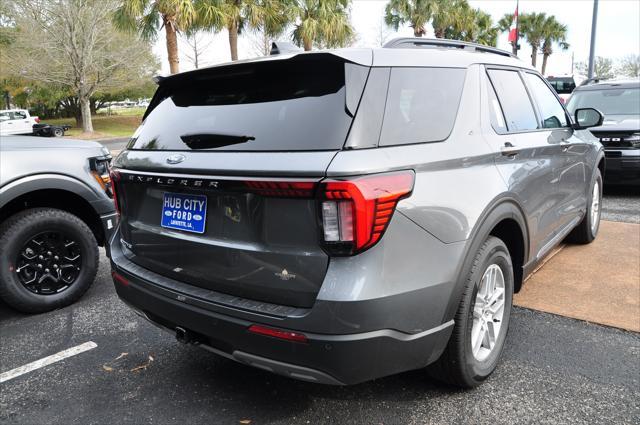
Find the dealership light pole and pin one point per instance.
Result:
(592, 49)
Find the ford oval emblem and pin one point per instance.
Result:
(176, 159)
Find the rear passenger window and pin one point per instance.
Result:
(514, 99)
(422, 104)
(553, 115)
(497, 117)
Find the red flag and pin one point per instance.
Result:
(513, 29)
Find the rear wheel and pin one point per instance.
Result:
(482, 319)
(58, 132)
(48, 259)
(587, 230)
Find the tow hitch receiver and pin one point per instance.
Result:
(184, 336)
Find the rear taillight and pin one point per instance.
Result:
(115, 180)
(278, 333)
(357, 211)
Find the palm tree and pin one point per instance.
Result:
(473, 25)
(532, 27)
(483, 31)
(148, 17)
(415, 12)
(450, 16)
(554, 32)
(322, 21)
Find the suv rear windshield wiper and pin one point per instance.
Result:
(212, 140)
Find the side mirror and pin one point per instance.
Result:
(587, 117)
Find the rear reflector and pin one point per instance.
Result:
(278, 333)
(357, 211)
(117, 277)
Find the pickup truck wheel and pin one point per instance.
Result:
(48, 259)
(587, 230)
(482, 319)
(58, 132)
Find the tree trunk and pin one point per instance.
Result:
(534, 55)
(307, 44)
(85, 109)
(172, 44)
(544, 63)
(233, 40)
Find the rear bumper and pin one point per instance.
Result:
(622, 167)
(340, 359)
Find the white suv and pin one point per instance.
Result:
(16, 121)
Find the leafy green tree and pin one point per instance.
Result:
(630, 66)
(553, 32)
(532, 26)
(74, 45)
(148, 17)
(417, 13)
(268, 16)
(603, 68)
(325, 22)
(451, 18)
(473, 25)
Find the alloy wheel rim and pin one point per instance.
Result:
(595, 207)
(48, 263)
(488, 312)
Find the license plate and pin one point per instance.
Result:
(184, 212)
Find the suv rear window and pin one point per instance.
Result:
(293, 105)
(422, 104)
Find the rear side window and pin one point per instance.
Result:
(422, 104)
(514, 100)
(299, 104)
(553, 115)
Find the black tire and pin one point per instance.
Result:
(586, 232)
(57, 132)
(458, 365)
(16, 231)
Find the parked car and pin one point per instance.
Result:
(564, 86)
(16, 121)
(50, 130)
(619, 101)
(56, 207)
(345, 215)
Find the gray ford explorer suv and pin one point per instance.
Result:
(345, 215)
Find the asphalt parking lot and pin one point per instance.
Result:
(554, 370)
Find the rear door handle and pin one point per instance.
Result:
(509, 150)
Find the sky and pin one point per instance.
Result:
(617, 31)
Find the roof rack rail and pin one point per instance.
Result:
(415, 42)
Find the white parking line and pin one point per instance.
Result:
(13, 373)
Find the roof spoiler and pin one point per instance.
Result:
(282, 47)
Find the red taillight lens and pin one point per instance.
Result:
(281, 188)
(36, 119)
(115, 180)
(278, 333)
(357, 211)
